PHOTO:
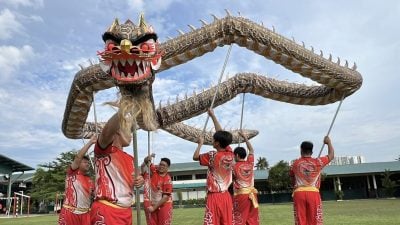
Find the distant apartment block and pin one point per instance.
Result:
(346, 160)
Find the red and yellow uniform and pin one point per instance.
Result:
(306, 178)
(160, 185)
(78, 191)
(245, 204)
(219, 207)
(114, 187)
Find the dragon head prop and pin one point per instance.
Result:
(131, 56)
(131, 52)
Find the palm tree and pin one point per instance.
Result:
(262, 163)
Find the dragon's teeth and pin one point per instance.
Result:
(122, 74)
(136, 74)
(115, 61)
(123, 62)
(129, 75)
(130, 61)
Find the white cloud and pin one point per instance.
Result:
(11, 58)
(8, 24)
(24, 3)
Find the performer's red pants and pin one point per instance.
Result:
(307, 208)
(162, 216)
(69, 218)
(104, 214)
(244, 212)
(219, 209)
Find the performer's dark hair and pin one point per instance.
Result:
(241, 152)
(86, 157)
(224, 138)
(306, 147)
(167, 161)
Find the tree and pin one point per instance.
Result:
(389, 186)
(279, 179)
(262, 163)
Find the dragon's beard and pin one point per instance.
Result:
(136, 107)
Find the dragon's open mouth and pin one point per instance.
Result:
(130, 70)
(127, 69)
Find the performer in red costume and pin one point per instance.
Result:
(159, 206)
(306, 177)
(245, 203)
(219, 209)
(114, 175)
(78, 190)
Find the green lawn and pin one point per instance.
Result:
(346, 212)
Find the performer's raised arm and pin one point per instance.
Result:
(196, 154)
(331, 150)
(248, 144)
(217, 126)
(79, 156)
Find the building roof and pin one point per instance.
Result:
(8, 165)
(18, 177)
(188, 166)
(362, 168)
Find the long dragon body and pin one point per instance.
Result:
(335, 80)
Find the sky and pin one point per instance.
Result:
(44, 42)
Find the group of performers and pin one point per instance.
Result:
(115, 180)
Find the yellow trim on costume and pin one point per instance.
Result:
(314, 189)
(76, 208)
(105, 202)
(251, 191)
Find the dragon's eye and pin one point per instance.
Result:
(111, 46)
(148, 46)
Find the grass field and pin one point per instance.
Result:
(374, 212)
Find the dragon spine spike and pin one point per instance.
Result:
(354, 66)
(168, 102)
(169, 37)
(203, 22)
(346, 64)
(215, 17)
(293, 39)
(192, 27)
(330, 57)
(186, 95)
(180, 32)
(321, 53)
(262, 23)
(302, 43)
(159, 105)
(273, 28)
(338, 61)
(142, 23)
(194, 92)
(113, 28)
(312, 49)
(239, 13)
(80, 65)
(227, 12)
(177, 98)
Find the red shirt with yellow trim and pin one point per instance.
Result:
(219, 173)
(114, 176)
(306, 171)
(78, 190)
(160, 185)
(243, 173)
